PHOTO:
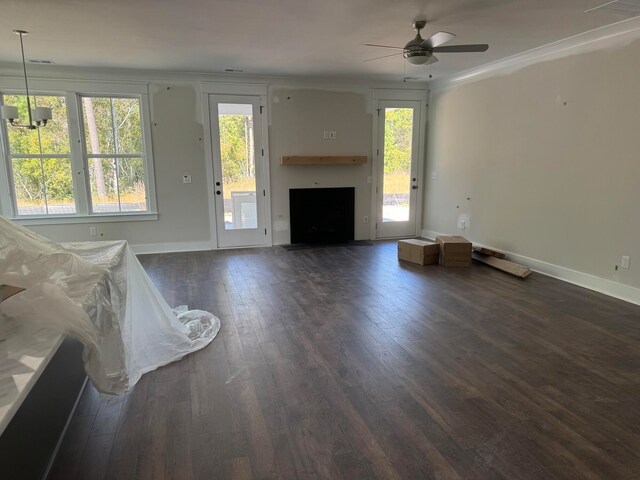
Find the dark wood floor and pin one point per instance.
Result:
(343, 363)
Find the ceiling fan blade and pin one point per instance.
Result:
(384, 56)
(437, 40)
(382, 46)
(432, 59)
(483, 47)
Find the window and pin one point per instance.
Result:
(98, 165)
(113, 153)
(40, 160)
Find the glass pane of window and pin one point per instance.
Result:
(396, 188)
(238, 165)
(29, 186)
(58, 181)
(43, 186)
(104, 185)
(133, 197)
(52, 139)
(117, 185)
(112, 125)
(128, 126)
(98, 125)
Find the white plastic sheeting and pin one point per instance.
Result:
(99, 293)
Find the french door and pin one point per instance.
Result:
(238, 170)
(398, 182)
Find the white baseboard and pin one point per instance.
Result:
(608, 287)
(171, 247)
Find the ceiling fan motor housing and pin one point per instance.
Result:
(415, 53)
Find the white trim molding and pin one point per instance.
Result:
(598, 284)
(622, 32)
(96, 218)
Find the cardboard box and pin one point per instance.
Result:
(418, 251)
(454, 251)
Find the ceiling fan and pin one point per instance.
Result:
(421, 52)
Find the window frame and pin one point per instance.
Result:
(86, 156)
(73, 93)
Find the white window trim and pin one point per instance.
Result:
(73, 91)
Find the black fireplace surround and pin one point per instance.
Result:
(322, 215)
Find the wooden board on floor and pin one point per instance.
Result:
(489, 251)
(503, 265)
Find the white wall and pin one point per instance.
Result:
(299, 118)
(557, 183)
(305, 108)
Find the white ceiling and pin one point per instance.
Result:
(284, 37)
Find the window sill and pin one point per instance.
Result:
(69, 219)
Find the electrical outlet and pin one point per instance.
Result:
(366, 219)
(186, 179)
(93, 231)
(463, 222)
(626, 261)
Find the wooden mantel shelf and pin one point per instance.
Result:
(351, 160)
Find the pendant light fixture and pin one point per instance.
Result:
(38, 116)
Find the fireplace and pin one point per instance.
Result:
(322, 215)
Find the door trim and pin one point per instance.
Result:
(395, 95)
(213, 88)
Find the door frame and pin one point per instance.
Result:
(398, 95)
(235, 89)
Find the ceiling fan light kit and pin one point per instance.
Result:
(39, 116)
(419, 51)
(416, 58)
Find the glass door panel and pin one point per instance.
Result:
(396, 184)
(237, 155)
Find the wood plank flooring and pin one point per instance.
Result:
(343, 363)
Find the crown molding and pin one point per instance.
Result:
(616, 34)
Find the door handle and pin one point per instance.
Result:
(218, 192)
(217, 184)
(414, 187)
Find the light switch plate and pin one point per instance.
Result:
(626, 261)
(186, 179)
